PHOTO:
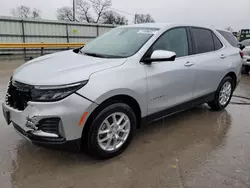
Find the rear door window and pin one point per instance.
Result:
(217, 43)
(229, 37)
(203, 40)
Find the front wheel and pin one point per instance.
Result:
(223, 94)
(111, 131)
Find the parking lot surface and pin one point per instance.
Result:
(196, 148)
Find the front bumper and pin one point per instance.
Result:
(69, 111)
(72, 145)
(29, 135)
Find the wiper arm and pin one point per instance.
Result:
(101, 55)
(95, 55)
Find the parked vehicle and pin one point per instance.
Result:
(97, 96)
(246, 54)
(246, 42)
(244, 34)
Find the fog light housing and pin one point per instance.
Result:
(46, 127)
(49, 125)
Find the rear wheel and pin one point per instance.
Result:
(223, 94)
(111, 131)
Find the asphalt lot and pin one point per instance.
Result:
(196, 148)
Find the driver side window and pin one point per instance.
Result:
(174, 40)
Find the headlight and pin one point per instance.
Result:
(55, 93)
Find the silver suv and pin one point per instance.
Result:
(96, 96)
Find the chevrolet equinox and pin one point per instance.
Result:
(96, 96)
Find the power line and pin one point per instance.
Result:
(121, 11)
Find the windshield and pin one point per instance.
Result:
(119, 42)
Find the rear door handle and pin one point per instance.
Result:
(188, 64)
(222, 56)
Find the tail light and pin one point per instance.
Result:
(241, 54)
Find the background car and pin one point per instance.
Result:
(246, 54)
(244, 34)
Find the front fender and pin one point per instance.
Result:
(123, 91)
(128, 81)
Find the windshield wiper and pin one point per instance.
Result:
(94, 55)
(101, 55)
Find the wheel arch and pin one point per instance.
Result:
(233, 76)
(123, 98)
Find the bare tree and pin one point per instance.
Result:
(21, 12)
(65, 13)
(143, 18)
(229, 28)
(121, 20)
(112, 17)
(100, 6)
(25, 12)
(35, 14)
(92, 11)
(83, 9)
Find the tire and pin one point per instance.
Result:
(117, 109)
(216, 104)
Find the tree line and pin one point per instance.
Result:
(88, 11)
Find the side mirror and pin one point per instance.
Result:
(241, 46)
(160, 55)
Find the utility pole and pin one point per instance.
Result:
(74, 10)
(136, 16)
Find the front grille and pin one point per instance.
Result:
(248, 60)
(49, 125)
(18, 95)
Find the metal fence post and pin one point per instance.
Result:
(97, 30)
(42, 51)
(23, 35)
(67, 33)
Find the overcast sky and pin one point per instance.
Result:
(219, 13)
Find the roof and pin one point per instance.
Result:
(151, 25)
(165, 25)
(223, 30)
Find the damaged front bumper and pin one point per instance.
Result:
(39, 136)
(52, 123)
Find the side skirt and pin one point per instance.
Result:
(178, 108)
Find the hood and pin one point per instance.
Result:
(62, 68)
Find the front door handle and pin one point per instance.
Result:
(222, 56)
(189, 64)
